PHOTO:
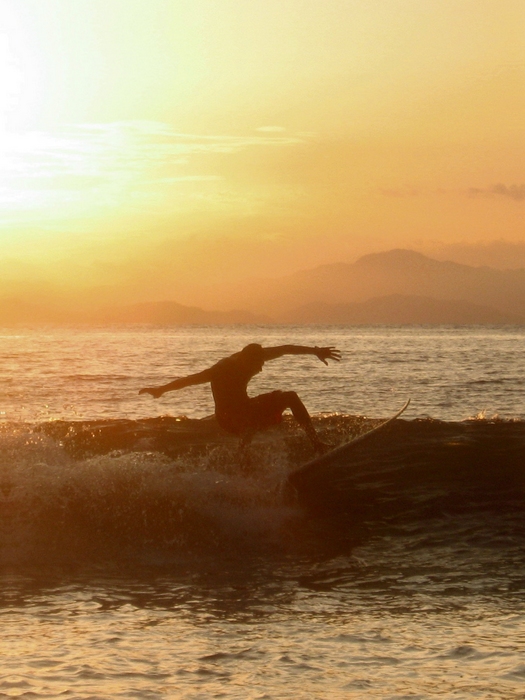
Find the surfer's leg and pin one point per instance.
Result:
(301, 415)
(266, 410)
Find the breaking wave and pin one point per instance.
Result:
(167, 486)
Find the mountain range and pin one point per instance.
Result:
(397, 309)
(390, 274)
(166, 313)
(393, 287)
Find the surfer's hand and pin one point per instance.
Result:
(153, 391)
(329, 353)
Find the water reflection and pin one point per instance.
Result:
(401, 574)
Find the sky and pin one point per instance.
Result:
(153, 149)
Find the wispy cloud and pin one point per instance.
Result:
(109, 161)
(515, 192)
(271, 129)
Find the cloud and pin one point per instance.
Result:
(515, 192)
(100, 166)
(271, 129)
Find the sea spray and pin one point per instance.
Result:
(125, 503)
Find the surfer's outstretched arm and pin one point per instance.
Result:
(323, 354)
(192, 379)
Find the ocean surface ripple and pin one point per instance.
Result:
(146, 555)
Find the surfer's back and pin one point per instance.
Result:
(229, 382)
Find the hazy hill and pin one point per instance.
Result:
(18, 312)
(401, 272)
(398, 286)
(172, 313)
(398, 309)
(14, 311)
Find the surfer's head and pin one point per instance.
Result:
(253, 356)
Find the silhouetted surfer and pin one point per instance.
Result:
(235, 411)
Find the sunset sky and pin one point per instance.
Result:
(158, 146)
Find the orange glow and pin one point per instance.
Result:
(148, 147)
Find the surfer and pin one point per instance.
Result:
(240, 414)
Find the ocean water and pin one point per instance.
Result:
(143, 555)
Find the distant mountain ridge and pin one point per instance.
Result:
(397, 309)
(169, 313)
(172, 313)
(395, 272)
(393, 287)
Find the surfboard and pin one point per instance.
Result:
(346, 447)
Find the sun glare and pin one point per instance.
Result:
(21, 70)
(337, 130)
(10, 84)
